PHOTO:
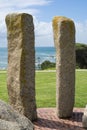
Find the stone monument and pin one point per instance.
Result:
(21, 64)
(84, 118)
(13, 120)
(64, 39)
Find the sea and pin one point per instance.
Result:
(41, 54)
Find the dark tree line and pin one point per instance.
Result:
(81, 56)
(47, 64)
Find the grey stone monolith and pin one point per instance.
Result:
(12, 120)
(84, 118)
(64, 39)
(21, 64)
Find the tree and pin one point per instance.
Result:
(47, 64)
(81, 55)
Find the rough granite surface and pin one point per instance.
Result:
(64, 39)
(84, 118)
(21, 64)
(12, 120)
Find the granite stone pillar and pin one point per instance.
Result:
(21, 64)
(84, 118)
(64, 39)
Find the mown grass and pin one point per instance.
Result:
(81, 89)
(46, 88)
(3, 88)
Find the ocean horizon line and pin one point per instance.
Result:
(35, 46)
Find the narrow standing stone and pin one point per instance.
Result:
(21, 64)
(64, 39)
(84, 118)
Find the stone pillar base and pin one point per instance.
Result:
(84, 118)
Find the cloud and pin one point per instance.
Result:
(81, 32)
(22, 4)
(43, 29)
(29, 6)
(43, 33)
(19, 6)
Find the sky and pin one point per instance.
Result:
(43, 12)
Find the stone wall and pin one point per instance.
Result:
(21, 64)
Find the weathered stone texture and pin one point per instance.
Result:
(64, 39)
(21, 64)
(84, 118)
(12, 120)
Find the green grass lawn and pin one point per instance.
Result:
(81, 89)
(3, 88)
(46, 88)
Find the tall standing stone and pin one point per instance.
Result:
(64, 39)
(84, 118)
(21, 64)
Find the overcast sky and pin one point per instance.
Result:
(43, 12)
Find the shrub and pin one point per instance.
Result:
(81, 56)
(47, 64)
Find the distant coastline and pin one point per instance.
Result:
(41, 54)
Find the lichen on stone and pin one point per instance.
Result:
(61, 21)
